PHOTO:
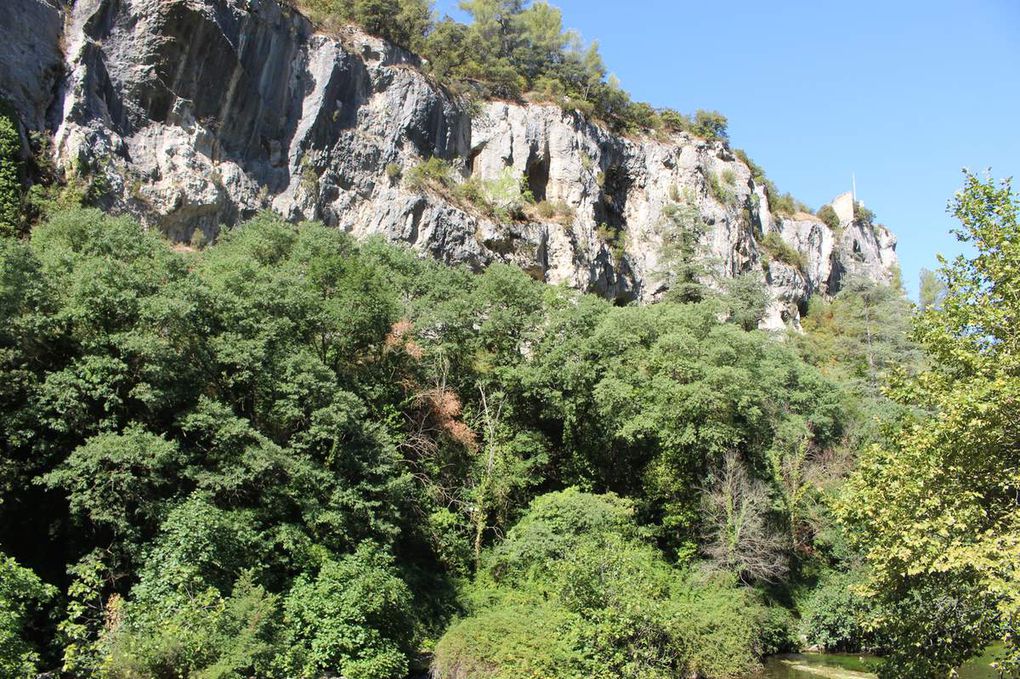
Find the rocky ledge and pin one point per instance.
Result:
(199, 113)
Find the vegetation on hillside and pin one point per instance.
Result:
(278, 455)
(289, 453)
(511, 49)
(10, 173)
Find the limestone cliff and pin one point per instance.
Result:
(202, 112)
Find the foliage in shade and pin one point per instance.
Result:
(290, 453)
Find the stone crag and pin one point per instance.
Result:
(200, 113)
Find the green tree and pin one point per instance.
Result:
(577, 568)
(22, 594)
(862, 334)
(682, 254)
(402, 22)
(935, 508)
(119, 483)
(746, 298)
(828, 215)
(353, 618)
(932, 290)
(710, 125)
(10, 173)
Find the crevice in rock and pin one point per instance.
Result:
(802, 307)
(615, 184)
(414, 221)
(537, 174)
(472, 156)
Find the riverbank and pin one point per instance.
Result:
(853, 666)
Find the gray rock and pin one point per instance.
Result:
(30, 56)
(202, 112)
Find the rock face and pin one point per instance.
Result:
(200, 113)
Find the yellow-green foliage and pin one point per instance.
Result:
(934, 505)
(22, 593)
(554, 211)
(433, 172)
(502, 199)
(615, 238)
(721, 187)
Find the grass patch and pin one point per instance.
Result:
(721, 187)
(503, 199)
(781, 251)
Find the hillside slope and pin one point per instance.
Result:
(199, 113)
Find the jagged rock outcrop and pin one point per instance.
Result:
(200, 113)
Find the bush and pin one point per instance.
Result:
(553, 526)
(22, 594)
(516, 640)
(674, 121)
(554, 210)
(352, 619)
(782, 251)
(863, 214)
(721, 188)
(615, 238)
(433, 172)
(198, 239)
(835, 617)
(575, 591)
(10, 173)
(503, 199)
(757, 173)
(201, 634)
(829, 216)
(721, 627)
(710, 125)
(401, 22)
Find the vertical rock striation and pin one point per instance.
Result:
(200, 113)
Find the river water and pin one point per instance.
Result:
(840, 666)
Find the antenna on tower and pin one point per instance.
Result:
(853, 192)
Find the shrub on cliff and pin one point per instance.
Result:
(710, 125)
(829, 216)
(780, 250)
(402, 22)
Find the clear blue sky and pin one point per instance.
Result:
(904, 93)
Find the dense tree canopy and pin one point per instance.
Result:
(275, 455)
(289, 453)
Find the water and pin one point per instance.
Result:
(826, 666)
(846, 666)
